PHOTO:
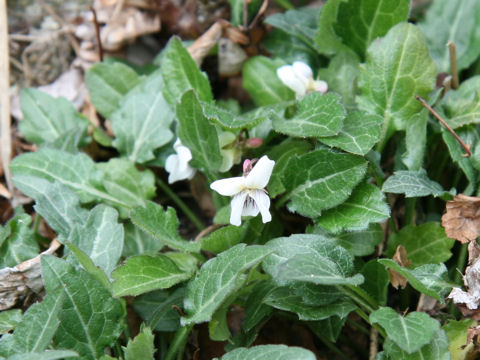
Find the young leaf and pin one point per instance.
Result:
(328, 42)
(429, 279)
(412, 184)
(425, 243)
(181, 73)
(101, 237)
(217, 278)
(198, 133)
(156, 308)
(376, 280)
(9, 320)
(317, 116)
(262, 83)
(457, 21)
(142, 122)
(142, 347)
(359, 134)
(46, 119)
(75, 171)
(411, 332)
(320, 180)
(269, 352)
(162, 225)
(437, 349)
(90, 318)
(141, 274)
(229, 120)
(108, 83)
(359, 22)
(138, 242)
(55, 202)
(397, 68)
(224, 238)
(284, 299)
(366, 205)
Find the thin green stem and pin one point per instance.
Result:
(36, 224)
(366, 318)
(332, 346)
(178, 343)
(372, 304)
(179, 202)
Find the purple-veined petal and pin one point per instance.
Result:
(228, 187)
(263, 204)
(259, 176)
(250, 207)
(288, 77)
(236, 206)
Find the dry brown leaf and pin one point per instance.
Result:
(462, 218)
(18, 281)
(202, 46)
(400, 257)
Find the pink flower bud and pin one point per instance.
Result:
(253, 143)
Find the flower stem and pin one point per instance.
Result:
(179, 202)
(178, 343)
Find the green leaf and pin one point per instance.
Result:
(281, 153)
(311, 258)
(90, 318)
(181, 73)
(55, 202)
(359, 134)
(39, 324)
(77, 172)
(101, 237)
(218, 327)
(366, 205)
(320, 180)
(46, 355)
(457, 21)
(228, 119)
(269, 352)
(255, 309)
(46, 119)
(397, 68)
(361, 243)
(124, 181)
(236, 11)
(107, 85)
(317, 116)
(142, 122)
(9, 319)
(17, 241)
(328, 42)
(425, 244)
(198, 133)
(412, 184)
(301, 23)
(341, 76)
(437, 349)
(284, 299)
(262, 83)
(316, 295)
(138, 242)
(462, 106)
(376, 280)
(143, 273)
(328, 328)
(216, 280)
(162, 225)
(411, 332)
(224, 238)
(360, 22)
(142, 347)
(415, 141)
(429, 279)
(457, 332)
(156, 308)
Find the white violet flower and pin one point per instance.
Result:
(249, 195)
(299, 78)
(177, 164)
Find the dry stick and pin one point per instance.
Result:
(373, 343)
(452, 49)
(443, 122)
(245, 13)
(5, 130)
(97, 33)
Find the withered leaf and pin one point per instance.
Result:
(400, 257)
(462, 219)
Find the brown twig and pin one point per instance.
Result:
(447, 84)
(5, 130)
(373, 343)
(260, 12)
(180, 311)
(444, 123)
(97, 33)
(245, 13)
(207, 231)
(452, 50)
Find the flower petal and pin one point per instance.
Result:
(302, 71)
(321, 86)
(184, 153)
(263, 204)
(250, 207)
(288, 77)
(228, 187)
(227, 159)
(259, 176)
(237, 208)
